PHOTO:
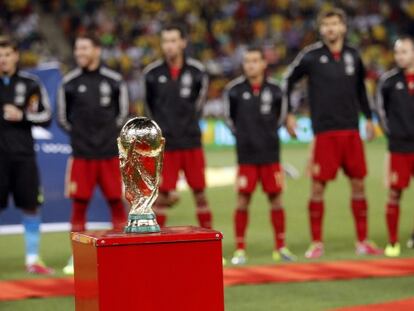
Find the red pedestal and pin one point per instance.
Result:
(179, 268)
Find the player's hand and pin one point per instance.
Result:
(291, 125)
(370, 130)
(12, 113)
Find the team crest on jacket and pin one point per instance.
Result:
(266, 101)
(82, 88)
(399, 85)
(246, 95)
(324, 59)
(33, 103)
(105, 92)
(20, 93)
(186, 79)
(186, 83)
(349, 64)
(162, 79)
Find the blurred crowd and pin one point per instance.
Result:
(19, 19)
(219, 31)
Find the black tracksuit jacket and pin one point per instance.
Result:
(336, 89)
(176, 105)
(27, 93)
(254, 120)
(92, 107)
(395, 106)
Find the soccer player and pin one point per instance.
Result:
(23, 103)
(395, 100)
(337, 94)
(92, 107)
(176, 87)
(254, 112)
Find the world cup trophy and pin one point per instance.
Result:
(141, 148)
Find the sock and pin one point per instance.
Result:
(359, 210)
(241, 218)
(204, 215)
(31, 224)
(78, 219)
(278, 223)
(392, 216)
(160, 213)
(118, 214)
(316, 211)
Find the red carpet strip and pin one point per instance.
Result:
(318, 271)
(250, 275)
(397, 305)
(36, 288)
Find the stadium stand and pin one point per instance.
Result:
(220, 30)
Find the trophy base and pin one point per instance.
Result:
(143, 229)
(144, 223)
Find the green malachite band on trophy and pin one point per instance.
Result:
(141, 217)
(143, 229)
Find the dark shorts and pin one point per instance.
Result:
(19, 176)
(190, 161)
(270, 175)
(338, 149)
(401, 168)
(82, 175)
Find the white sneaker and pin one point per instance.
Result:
(69, 269)
(410, 242)
(239, 257)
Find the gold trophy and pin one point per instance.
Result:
(141, 149)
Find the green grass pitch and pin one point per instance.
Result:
(309, 296)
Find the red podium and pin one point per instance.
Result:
(179, 268)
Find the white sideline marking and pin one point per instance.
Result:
(215, 177)
(53, 227)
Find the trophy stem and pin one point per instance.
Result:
(142, 223)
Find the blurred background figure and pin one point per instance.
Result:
(395, 107)
(337, 94)
(175, 88)
(92, 107)
(254, 111)
(24, 103)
